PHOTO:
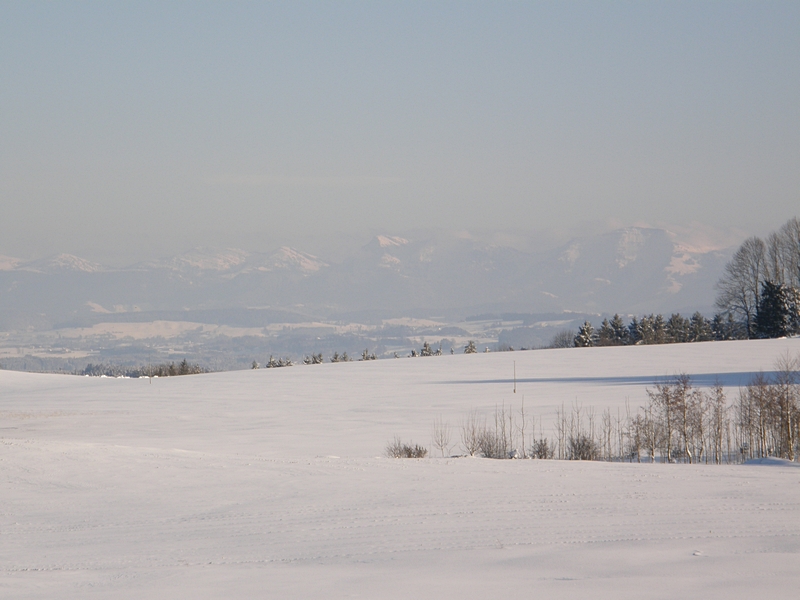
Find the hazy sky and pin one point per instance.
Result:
(132, 129)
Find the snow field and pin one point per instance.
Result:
(270, 483)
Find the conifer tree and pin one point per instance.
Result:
(677, 329)
(586, 336)
(773, 318)
(635, 331)
(659, 329)
(620, 331)
(700, 329)
(605, 335)
(646, 332)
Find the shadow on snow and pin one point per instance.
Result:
(739, 379)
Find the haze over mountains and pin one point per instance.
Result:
(630, 270)
(227, 307)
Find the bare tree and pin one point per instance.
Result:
(637, 437)
(441, 435)
(471, 429)
(683, 403)
(500, 445)
(739, 285)
(582, 442)
(756, 413)
(783, 254)
(787, 378)
(563, 339)
(561, 432)
(718, 419)
(522, 427)
(663, 410)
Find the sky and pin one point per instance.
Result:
(135, 129)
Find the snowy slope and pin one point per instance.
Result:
(270, 483)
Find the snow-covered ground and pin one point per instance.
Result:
(271, 484)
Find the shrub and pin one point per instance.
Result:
(582, 447)
(397, 449)
(541, 449)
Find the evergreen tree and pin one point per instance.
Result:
(659, 329)
(470, 348)
(677, 329)
(700, 329)
(586, 336)
(718, 327)
(605, 336)
(773, 318)
(635, 331)
(646, 332)
(725, 327)
(620, 331)
(314, 359)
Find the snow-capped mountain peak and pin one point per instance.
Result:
(61, 263)
(387, 241)
(289, 258)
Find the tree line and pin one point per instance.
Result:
(318, 359)
(678, 423)
(760, 287)
(160, 370)
(653, 329)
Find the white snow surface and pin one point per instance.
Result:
(270, 484)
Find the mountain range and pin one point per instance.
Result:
(630, 270)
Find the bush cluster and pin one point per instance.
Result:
(397, 449)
